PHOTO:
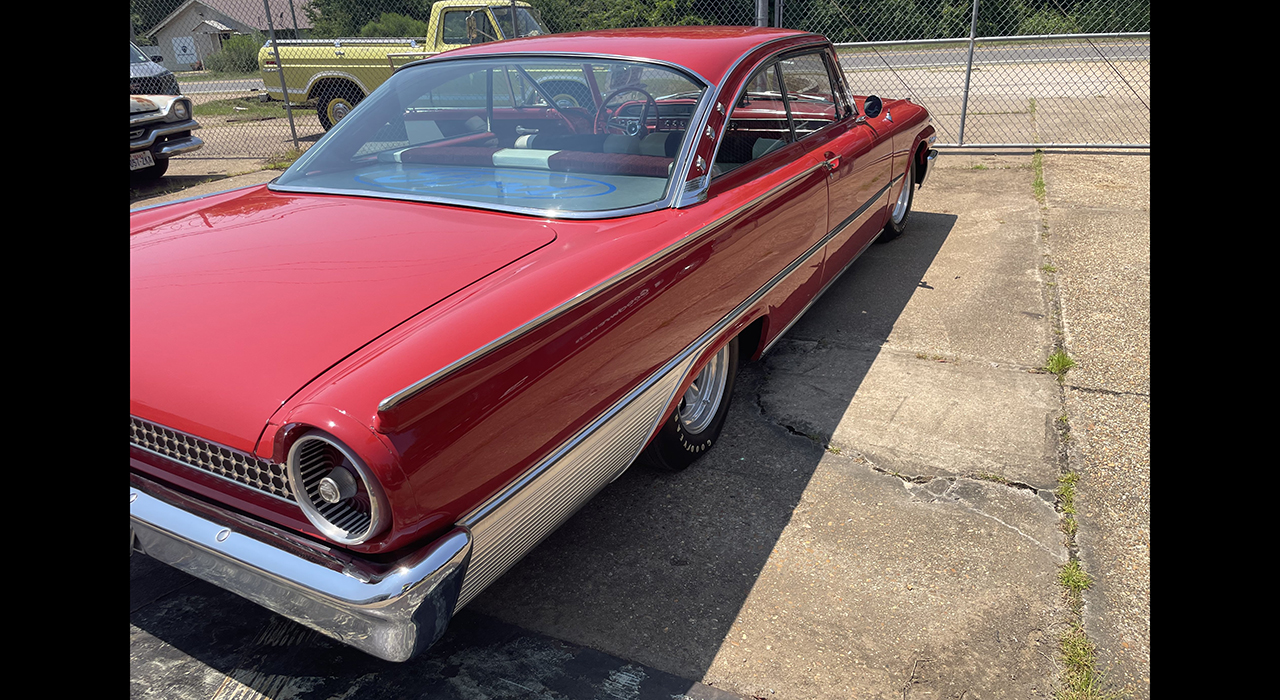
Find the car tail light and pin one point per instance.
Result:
(337, 492)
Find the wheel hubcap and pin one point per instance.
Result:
(904, 199)
(702, 399)
(340, 110)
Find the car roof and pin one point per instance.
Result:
(707, 51)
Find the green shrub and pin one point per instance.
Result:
(239, 54)
(392, 24)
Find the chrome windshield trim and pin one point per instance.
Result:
(402, 395)
(700, 192)
(669, 196)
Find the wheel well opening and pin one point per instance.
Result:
(922, 162)
(749, 340)
(329, 86)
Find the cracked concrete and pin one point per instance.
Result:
(876, 521)
(878, 516)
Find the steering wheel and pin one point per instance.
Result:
(601, 126)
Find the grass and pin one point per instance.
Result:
(281, 161)
(1059, 362)
(206, 76)
(246, 108)
(1067, 492)
(1048, 268)
(1037, 185)
(1081, 679)
(993, 477)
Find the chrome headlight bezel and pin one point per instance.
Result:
(335, 520)
(182, 109)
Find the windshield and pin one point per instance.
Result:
(528, 23)
(511, 133)
(136, 55)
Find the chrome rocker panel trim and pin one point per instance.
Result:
(392, 611)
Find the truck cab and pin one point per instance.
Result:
(336, 74)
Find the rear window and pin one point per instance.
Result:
(554, 136)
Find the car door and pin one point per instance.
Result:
(858, 159)
(761, 155)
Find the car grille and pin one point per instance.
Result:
(154, 85)
(267, 477)
(136, 134)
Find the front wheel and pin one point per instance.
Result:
(693, 427)
(901, 208)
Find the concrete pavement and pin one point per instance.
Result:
(878, 520)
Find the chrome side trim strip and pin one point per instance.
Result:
(392, 611)
(516, 519)
(400, 396)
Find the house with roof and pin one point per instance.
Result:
(196, 30)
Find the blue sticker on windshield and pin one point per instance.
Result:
(487, 183)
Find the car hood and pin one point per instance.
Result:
(239, 300)
(146, 70)
(146, 103)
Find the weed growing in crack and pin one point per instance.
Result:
(1075, 580)
(1067, 492)
(993, 477)
(1059, 362)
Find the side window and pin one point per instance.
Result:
(460, 25)
(812, 100)
(758, 123)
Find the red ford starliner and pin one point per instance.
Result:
(360, 393)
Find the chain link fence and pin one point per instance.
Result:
(268, 77)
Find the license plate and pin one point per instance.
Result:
(140, 160)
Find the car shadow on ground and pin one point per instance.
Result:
(654, 569)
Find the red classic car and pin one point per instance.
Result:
(360, 393)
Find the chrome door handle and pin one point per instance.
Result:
(832, 161)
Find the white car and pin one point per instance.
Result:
(160, 127)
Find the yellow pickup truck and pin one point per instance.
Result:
(335, 74)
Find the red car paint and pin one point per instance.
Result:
(257, 315)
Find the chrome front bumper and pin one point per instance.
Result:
(392, 611)
(149, 137)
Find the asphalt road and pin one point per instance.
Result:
(878, 520)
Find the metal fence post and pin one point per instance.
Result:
(968, 71)
(777, 13)
(762, 13)
(284, 90)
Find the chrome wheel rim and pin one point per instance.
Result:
(340, 110)
(702, 399)
(904, 199)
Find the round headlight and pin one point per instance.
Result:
(180, 109)
(336, 491)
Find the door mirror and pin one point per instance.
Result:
(872, 106)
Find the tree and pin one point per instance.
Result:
(331, 19)
(392, 24)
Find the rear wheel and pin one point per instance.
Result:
(692, 428)
(901, 209)
(334, 101)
